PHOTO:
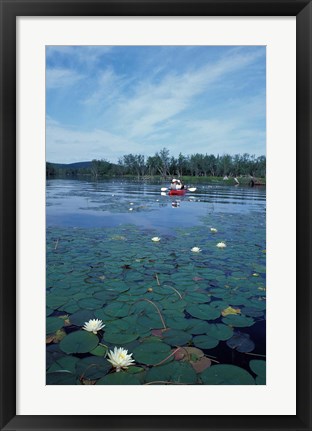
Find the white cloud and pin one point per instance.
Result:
(108, 88)
(80, 54)
(60, 78)
(153, 104)
(67, 144)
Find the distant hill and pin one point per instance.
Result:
(77, 165)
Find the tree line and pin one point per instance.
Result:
(164, 165)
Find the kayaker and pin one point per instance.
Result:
(176, 184)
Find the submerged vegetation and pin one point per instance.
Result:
(163, 165)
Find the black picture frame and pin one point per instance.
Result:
(10, 9)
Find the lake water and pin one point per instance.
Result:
(155, 297)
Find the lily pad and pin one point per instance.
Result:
(152, 353)
(79, 342)
(238, 321)
(53, 324)
(259, 368)
(117, 309)
(224, 374)
(174, 337)
(203, 311)
(121, 378)
(178, 323)
(201, 365)
(80, 317)
(219, 331)
(197, 326)
(55, 301)
(174, 372)
(99, 351)
(241, 342)
(119, 338)
(205, 341)
(188, 354)
(90, 303)
(61, 378)
(197, 297)
(93, 367)
(252, 312)
(67, 363)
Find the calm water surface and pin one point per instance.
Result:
(101, 263)
(111, 203)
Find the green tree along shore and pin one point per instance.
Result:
(162, 165)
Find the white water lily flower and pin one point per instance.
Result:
(213, 229)
(195, 249)
(94, 325)
(156, 239)
(221, 245)
(119, 358)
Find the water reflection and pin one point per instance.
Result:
(112, 202)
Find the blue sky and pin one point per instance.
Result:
(103, 102)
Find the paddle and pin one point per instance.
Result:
(191, 189)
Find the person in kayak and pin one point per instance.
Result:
(176, 184)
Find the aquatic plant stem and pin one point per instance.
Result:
(170, 287)
(164, 360)
(151, 302)
(255, 354)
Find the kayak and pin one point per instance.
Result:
(177, 192)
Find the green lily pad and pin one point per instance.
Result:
(53, 324)
(100, 314)
(197, 326)
(259, 368)
(150, 322)
(219, 331)
(67, 363)
(238, 321)
(121, 378)
(90, 303)
(81, 317)
(197, 297)
(151, 353)
(99, 351)
(203, 311)
(224, 374)
(61, 378)
(55, 301)
(205, 341)
(174, 337)
(93, 367)
(117, 309)
(135, 370)
(119, 338)
(49, 311)
(79, 342)
(252, 312)
(174, 372)
(177, 323)
(70, 307)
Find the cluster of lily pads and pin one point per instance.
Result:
(112, 292)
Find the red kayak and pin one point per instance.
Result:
(177, 192)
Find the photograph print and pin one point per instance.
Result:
(155, 215)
